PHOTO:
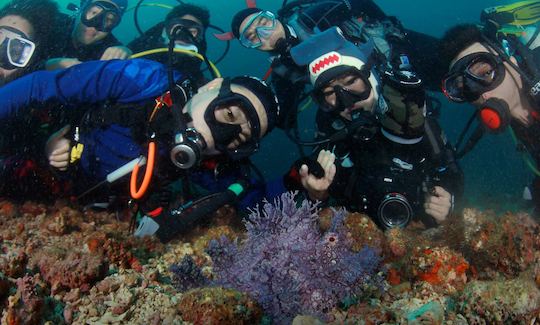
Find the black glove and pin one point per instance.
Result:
(292, 181)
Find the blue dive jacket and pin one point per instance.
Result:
(96, 82)
(121, 81)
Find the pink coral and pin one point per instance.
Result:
(27, 305)
(72, 270)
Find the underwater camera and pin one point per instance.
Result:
(393, 197)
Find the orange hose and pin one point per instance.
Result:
(138, 193)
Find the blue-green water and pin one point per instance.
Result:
(495, 173)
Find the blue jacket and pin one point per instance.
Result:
(96, 82)
(136, 82)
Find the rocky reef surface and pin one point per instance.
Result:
(287, 263)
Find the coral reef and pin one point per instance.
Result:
(71, 269)
(63, 221)
(360, 229)
(124, 298)
(506, 244)
(187, 275)
(289, 266)
(219, 306)
(26, 306)
(13, 261)
(62, 265)
(514, 301)
(441, 267)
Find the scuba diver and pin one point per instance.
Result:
(26, 29)
(88, 35)
(119, 109)
(378, 151)
(195, 20)
(360, 20)
(498, 73)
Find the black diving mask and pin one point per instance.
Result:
(473, 75)
(185, 30)
(344, 96)
(101, 15)
(225, 133)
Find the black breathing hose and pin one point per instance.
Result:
(136, 17)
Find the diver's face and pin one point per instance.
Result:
(267, 43)
(85, 35)
(26, 28)
(196, 30)
(510, 89)
(232, 114)
(353, 83)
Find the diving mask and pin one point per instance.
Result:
(225, 133)
(259, 27)
(16, 49)
(343, 96)
(179, 26)
(473, 75)
(101, 15)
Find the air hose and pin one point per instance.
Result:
(191, 53)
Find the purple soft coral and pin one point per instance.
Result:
(187, 275)
(288, 266)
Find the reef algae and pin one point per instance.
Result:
(219, 306)
(63, 265)
(515, 301)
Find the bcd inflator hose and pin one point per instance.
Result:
(184, 220)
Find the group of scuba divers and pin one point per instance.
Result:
(83, 116)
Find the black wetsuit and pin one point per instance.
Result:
(368, 170)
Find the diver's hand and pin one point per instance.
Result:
(60, 63)
(438, 204)
(116, 52)
(57, 149)
(318, 187)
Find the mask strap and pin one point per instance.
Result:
(225, 89)
(506, 58)
(16, 31)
